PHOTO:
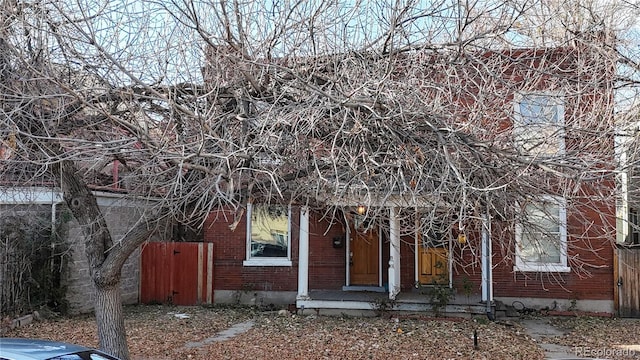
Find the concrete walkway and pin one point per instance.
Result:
(223, 335)
(539, 329)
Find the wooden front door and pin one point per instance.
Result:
(364, 258)
(433, 265)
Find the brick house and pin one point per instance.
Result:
(560, 258)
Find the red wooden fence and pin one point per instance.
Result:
(177, 273)
(628, 281)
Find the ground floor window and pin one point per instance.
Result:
(268, 235)
(541, 236)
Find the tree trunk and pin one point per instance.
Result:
(105, 259)
(110, 320)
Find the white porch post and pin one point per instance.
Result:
(487, 266)
(303, 255)
(416, 253)
(394, 254)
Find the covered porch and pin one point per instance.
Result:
(385, 291)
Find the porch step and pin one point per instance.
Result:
(400, 305)
(409, 301)
(378, 289)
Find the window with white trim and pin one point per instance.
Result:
(268, 235)
(538, 124)
(541, 237)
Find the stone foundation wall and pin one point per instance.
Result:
(120, 216)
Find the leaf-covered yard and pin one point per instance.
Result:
(599, 337)
(169, 332)
(162, 332)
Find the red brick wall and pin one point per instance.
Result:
(591, 230)
(230, 251)
(326, 264)
(407, 263)
(327, 269)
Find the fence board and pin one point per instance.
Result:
(174, 273)
(629, 282)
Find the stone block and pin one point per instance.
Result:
(22, 321)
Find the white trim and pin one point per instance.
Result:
(450, 261)
(45, 195)
(487, 263)
(266, 261)
(347, 280)
(303, 255)
(248, 234)
(622, 209)
(394, 254)
(380, 265)
(388, 200)
(30, 195)
(416, 253)
(562, 266)
(622, 200)
(528, 267)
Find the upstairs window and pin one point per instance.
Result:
(541, 237)
(538, 124)
(268, 235)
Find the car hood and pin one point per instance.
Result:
(24, 349)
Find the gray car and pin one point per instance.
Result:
(34, 349)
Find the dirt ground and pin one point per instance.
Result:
(164, 332)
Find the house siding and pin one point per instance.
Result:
(230, 252)
(591, 237)
(407, 263)
(591, 225)
(327, 265)
(327, 269)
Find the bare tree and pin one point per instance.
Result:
(203, 105)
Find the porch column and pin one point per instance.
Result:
(487, 265)
(394, 254)
(303, 255)
(416, 252)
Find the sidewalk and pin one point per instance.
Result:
(539, 329)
